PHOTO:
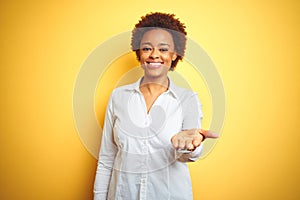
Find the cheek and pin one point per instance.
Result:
(143, 56)
(168, 58)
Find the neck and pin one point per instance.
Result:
(154, 86)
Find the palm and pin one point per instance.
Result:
(190, 139)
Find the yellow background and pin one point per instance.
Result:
(254, 44)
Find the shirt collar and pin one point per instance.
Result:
(172, 87)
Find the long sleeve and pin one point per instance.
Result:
(192, 118)
(192, 112)
(107, 154)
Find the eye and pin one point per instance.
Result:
(163, 49)
(147, 49)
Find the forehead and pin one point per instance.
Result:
(157, 36)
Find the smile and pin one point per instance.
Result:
(154, 64)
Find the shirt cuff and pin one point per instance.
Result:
(196, 153)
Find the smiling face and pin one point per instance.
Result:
(157, 53)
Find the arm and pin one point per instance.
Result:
(107, 154)
(192, 117)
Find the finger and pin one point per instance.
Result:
(174, 142)
(181, 143)
(210, 134)
(189, 145)
(197, 140)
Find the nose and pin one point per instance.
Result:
(154, 54)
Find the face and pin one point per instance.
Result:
(157, 53)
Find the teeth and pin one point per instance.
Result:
(155, 64)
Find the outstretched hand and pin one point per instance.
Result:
(191, 139)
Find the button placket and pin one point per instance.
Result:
(143, 191)
(144, 175)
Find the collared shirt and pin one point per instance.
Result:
(137, 159)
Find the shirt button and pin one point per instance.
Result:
(148, 120)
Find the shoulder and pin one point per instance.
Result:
(120, 91)
(181, 93)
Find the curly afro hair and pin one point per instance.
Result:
(165, 21)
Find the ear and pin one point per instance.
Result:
(174, 56)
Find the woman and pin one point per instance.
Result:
(152, 127)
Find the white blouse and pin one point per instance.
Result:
(137, 159)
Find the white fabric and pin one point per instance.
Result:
(136, 159)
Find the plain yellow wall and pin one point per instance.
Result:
(254, 44)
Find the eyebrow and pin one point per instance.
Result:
(160, 44)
